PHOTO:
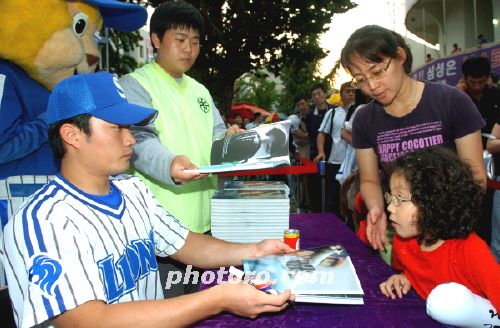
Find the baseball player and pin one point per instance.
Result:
(82, 248)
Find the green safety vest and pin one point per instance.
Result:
(185, 126)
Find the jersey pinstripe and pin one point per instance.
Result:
(65, 247)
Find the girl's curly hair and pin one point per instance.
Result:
(443, 189)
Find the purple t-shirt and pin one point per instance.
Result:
(443, 114)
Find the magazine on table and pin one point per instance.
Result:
(253, 201)
(265, 146)
(317, 275)
(256, 185)
(250, 194)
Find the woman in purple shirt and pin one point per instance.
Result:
(404, 115)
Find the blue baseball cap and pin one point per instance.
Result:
(123, 16)
(97, 94)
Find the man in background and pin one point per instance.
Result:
(256, 122)
(301, 144)
(298, 127)
(331, 127)
(456, 48)
(481, 39)
(476, 83)
(476, 78)
(313, 121)
(238, 121)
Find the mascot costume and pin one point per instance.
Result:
(41, 43)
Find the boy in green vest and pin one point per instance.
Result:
(188, 121)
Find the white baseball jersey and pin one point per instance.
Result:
(65, 247)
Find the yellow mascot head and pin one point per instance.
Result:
(54, 39)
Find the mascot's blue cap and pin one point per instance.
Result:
(123, 16)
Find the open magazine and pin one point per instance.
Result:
(318, 275)
(264, 146)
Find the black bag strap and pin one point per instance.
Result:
(331, 120)
(350, 111)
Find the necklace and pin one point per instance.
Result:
(411, 104)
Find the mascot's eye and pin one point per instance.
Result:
(80, 23)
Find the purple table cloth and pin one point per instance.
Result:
(378, 311)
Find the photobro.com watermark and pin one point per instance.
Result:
(222, 275)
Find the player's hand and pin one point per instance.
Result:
(376, 220)
(181, 163)
(319, 157)
(271, 246)
(247, 301)
(233, 129)
(397, 285)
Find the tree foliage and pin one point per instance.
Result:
(256, 88)
(120, 44)
(297, 79)
(249, 35)
(334, 72)
(246, 35)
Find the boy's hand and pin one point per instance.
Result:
(233, 129)
(397, 284)
(180, 163)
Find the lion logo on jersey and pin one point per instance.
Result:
(44, 272)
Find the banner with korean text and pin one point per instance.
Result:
(449, 69)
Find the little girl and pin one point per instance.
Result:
(434, 204)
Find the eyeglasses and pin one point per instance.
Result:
(396, 200)
(375, 76)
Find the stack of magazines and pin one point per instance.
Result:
(250, 211)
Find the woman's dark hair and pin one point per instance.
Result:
(359, 99)
(374, 43)
(175, 14)
(444, 191)
(55, 140)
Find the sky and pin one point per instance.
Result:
(386, 13)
